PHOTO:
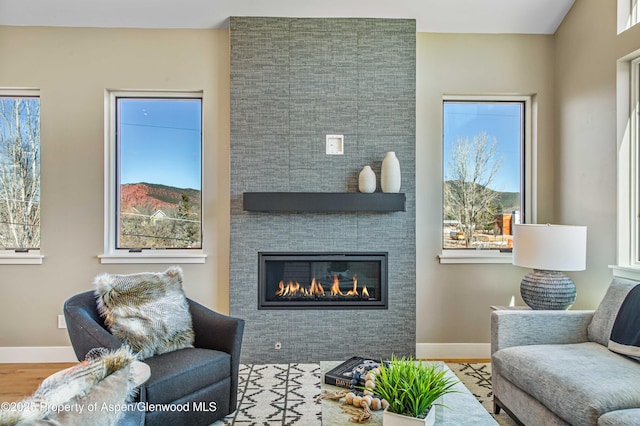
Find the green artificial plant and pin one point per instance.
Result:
(411, 387)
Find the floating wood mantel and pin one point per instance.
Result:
(323, 202)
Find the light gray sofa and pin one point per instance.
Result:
(554, 368)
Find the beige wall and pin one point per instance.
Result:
(587, 49)
(72, 68)
(572, 75)
(453, 300)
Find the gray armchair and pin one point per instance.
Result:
(204, 377)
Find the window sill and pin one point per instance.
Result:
(152, 256)
(628, 272)
(13, 258)
(474, 256)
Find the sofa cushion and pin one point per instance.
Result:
(600, 328)
(578, 382)
(625, 335)
(146, 311)
(183, 372)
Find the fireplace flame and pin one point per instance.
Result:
(335, 288)
(354, 291)
(290, 289)
(316, 289)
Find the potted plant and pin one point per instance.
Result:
(411, 389)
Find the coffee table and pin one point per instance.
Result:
(463, 408)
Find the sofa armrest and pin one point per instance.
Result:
(216, 331)
(220, 332)
(524, 327)
(85, 333)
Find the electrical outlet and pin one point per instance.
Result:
(62, 323)
(335, 144)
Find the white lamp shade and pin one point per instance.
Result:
(550, 247)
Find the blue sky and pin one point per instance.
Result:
(160, 142)
(500, 120)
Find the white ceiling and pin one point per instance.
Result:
(451, 16)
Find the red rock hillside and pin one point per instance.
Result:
(149, 197)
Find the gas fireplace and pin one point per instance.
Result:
(322, 280)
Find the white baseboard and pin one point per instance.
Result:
(29, 354)
(453, 350)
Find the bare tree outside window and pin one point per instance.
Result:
(469, 198)
(483, 143)
(19, 172)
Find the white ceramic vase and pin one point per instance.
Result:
(390, 176)
(393, 419)
(367, 180)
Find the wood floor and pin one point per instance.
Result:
(20, 380)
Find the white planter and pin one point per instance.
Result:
(390, 175)
(393, 419)
(367, 180)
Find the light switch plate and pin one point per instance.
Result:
(335, 144)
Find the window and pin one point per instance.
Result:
(19, 175)
(635, 141)
(627, 14)
(628, 255)
(154, 176)
(485, 154)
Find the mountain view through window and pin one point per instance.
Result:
(159, 143)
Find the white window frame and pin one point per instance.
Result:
(111, 253)
(627, 14)
(33, 256)
(628, 136)
(530, 152)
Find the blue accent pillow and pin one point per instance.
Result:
(625, 334)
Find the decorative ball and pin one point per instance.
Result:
(357, 401)
(384, 404)
(376, 404)
(367, 392)
(370, 384)
(349, 397)
(366, 401)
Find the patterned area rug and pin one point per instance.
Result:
(285, 394)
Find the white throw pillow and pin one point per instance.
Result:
(146, 311)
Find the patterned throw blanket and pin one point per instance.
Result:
(625, 335)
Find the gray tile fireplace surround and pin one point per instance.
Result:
(293, 81)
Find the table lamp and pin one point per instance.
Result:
(548, 250)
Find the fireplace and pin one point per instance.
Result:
(322, 280)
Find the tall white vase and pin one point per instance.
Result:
(367, 180)
(390, 176)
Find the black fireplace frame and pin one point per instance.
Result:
(383, 303)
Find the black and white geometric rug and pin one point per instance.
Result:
(285, 394)
(277, 394)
